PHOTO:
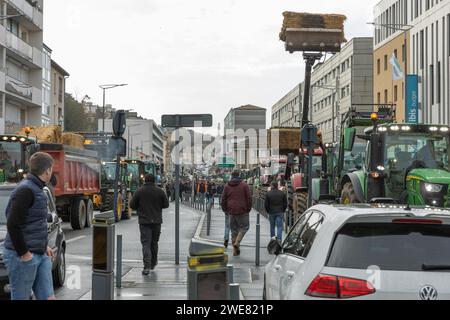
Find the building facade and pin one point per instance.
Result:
(288, 111)
(245, 118)
(59, 76)
(144, 138)
(425, 28)
(21, 57)
(46, 84)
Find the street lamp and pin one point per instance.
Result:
(129, 137)
(405, 28)
(142, 145)
(132, 136)
(104, 88)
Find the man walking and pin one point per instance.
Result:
(149, 201)
(276, 205)
(26, 254)
(237, 203)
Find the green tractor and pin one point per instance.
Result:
(108, 176)
(405, 163)
(136, 174)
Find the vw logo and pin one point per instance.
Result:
(428, 293)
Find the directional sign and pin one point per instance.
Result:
(187, 121)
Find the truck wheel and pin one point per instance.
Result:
(78, 215)
(128, 212)
(59, 274)
(300, 205)
(89, 213)
(348, 195)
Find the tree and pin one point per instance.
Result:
(75, 117)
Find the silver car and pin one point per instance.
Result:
(363, 252)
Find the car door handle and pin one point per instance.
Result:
(290, 275)
(277, 268)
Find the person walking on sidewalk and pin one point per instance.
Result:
(27, 256)
(276, 205)
(237, 203)
(149, 201)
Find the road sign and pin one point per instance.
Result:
(187, 121)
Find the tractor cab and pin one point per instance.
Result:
(15, 151)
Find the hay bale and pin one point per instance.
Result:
(73, 140)
(312, 21)
(289, 139)
(50, 134)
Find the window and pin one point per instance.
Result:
(403, 53)
(395, 93)
(438, 82)
(379, 98)
(432, 84)
(309, 234)
(290, 244)
(378, 66)
(385, 62)
(396, 53)
(385, 96)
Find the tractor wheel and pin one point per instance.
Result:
(290, 197)
(300, 205)
(89, 213)
(128, 212)
(78, 215)
(348, 195)
(108, 201)
(119, 208)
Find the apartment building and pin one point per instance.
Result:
(288, 111)
(59, 76)
(21, 57)
(424, 26)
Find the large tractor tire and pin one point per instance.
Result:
(300, 205)
(78, 214)
(89, 213)
(108, 201)
(120, 206)
(348, 195)
(128, 211)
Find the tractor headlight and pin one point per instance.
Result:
(433, 188)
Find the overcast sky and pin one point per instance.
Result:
(178, 56)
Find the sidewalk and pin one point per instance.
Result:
(169, 281)
(250, 277)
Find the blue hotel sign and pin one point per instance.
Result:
(412, 99)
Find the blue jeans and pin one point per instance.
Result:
(276, 221)
(25, 278)
(227, 227)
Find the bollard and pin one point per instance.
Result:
(119, 262)
(258, 240)
(235, 292)
(208, 215)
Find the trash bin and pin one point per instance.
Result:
(209, 275)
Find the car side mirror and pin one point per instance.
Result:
(274, 247)
(50, 219)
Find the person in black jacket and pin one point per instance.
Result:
(149, 201)
(276, 205)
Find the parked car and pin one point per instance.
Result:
(363, 252)
(56, 238)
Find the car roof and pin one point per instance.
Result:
(342, 213)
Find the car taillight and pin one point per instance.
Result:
(417, 221)
(332, 287)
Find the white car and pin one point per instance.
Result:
(363, 252)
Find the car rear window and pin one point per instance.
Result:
(394, 247)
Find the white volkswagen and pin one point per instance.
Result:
(363, 252)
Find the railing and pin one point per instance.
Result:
(23, 6)
(19, 46)
(18, 87)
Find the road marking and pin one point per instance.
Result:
(75, 239)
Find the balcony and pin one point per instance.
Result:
(19, 46)
(31, 13)
(19, 88)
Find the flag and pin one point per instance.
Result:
(397, 72)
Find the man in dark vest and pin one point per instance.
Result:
(27, 255)
(149, 201)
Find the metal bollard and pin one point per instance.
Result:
(119, 262)
(258, 241)
(208, 214)
(235, 292)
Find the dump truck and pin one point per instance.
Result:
(77, 172)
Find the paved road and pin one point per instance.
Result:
(79, 252)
